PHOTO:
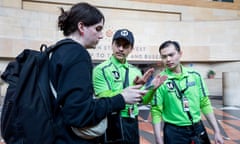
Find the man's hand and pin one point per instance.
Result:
(144, 78)
(218, 139)
(158, 81)
(133, 94)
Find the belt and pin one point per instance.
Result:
(130, 118)
(123, 116)
(188, 127)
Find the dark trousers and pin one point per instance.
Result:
(129, 130)
(185, 134)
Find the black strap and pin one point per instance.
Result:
(181, 96)
(178, 90)
(126, 81)
(115, 121)
(50, 50)
(57, 45)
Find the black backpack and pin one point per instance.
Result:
(27, 114)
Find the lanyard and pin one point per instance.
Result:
(126, 80)
(180, 92)
(126, 84)
(181, 96)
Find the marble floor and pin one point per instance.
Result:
(228, 118)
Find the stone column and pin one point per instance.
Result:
(231, 88)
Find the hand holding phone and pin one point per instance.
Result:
(157, 81)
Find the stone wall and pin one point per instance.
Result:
(209, 34)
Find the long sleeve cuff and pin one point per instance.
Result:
(118, 103)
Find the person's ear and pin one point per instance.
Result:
(181, 53)
(131, 49)
(81, 28)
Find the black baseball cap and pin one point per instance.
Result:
(124, 34)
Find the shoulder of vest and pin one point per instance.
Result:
(133, 66)
(193, 72)
(104, 64)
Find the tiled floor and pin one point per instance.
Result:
(228, 119)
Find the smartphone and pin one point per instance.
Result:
(149, 87)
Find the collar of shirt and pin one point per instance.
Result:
(118, 64)
(181, 75)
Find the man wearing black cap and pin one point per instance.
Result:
(111, 77)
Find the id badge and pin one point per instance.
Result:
(185, 104)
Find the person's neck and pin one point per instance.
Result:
(177, 70)
(76, 37)
(122, 61)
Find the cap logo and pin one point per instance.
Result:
(124, 33)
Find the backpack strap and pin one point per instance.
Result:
(49, 50)
(53, 47)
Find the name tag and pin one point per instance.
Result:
(185, 104)
(130, 111)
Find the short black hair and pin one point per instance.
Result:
(169, 42)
